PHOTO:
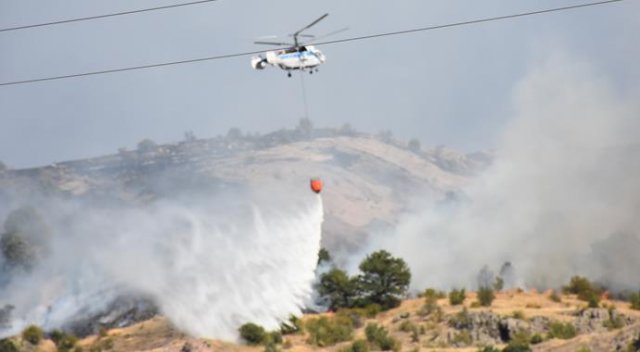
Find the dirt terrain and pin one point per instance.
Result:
(157, 334)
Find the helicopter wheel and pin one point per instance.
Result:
(289, 74)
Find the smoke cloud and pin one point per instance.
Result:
(209, 264)
(562, 197)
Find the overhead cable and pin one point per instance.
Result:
(372, 36)
(114, 14)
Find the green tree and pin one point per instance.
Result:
(338, 289)
(384, 279)
(324, 256)
(252, 333)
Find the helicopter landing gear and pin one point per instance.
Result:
(289, 74)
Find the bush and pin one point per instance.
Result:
(615, 320)
(563, 331)
(7, 345)
(461, 320)
(407, 326)
(498, 284)
(63, 341)
(485, 296)
(585, 290)
(325, 331)
(433, 293)
(293, 326)
(555, 297)
(32, 334)
(488, 349)
(384, 279)
(252, 333)
(430, 305)
(536, 339)
(379, 337)
(456, 297)
(463, 338)
(518, 314)
(517, 346)
(357, 346)
(634, 299)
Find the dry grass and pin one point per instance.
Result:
(159, 335)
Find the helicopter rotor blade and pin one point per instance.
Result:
(310, 24)
(273, 43)
(329, 34)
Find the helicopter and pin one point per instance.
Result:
(296, 55)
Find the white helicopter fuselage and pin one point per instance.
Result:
(300, 58)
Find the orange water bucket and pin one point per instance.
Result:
(316, 185)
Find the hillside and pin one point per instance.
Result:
(369, 179)
(456, 328)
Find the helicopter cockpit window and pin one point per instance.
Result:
(303, 48)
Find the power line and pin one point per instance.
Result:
(464, 23)
(104, 16)
(386, 34)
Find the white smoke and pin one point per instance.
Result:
(210, 265)
(564, 183)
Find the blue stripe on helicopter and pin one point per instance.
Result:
(295, 55)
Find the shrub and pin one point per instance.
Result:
(325, 331)
(433, 293)
(536, 339)
(379, 337)
(615, 320)
(63, 341)
(585, 290)
(463, 338)
(7, 345)
(456, 297)
(430, 305)
(293, 326)
(563, 331)
(461, 320)
(634, 299)
(32, 334)
(485, 296)
(488, 349)
(518, 314)
(357, 346)
(498, 284)
(252, 333)
(384, 279)
(517, 346)
(407, 326)
(555, 297)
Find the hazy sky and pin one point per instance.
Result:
(451, 86)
